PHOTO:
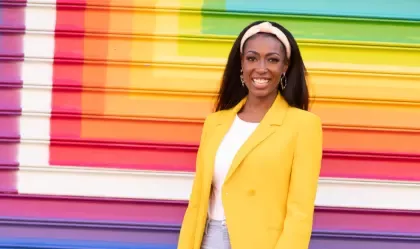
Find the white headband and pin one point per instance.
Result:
(266, 27)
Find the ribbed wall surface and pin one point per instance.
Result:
(102, 104)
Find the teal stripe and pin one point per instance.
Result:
(396, 9)
(313, 27)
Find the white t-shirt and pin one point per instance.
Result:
(231, 143)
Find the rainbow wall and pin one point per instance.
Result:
(102, 104)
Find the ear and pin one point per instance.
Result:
(285, 67)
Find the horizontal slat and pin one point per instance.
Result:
(194, 107)
(11, 45)
(8, 153)
(59, 180)
(13, 68)
(325, 83)
(198, 51)
(9, 124)
(371, 114)
(66, 234)
(173, 22)
(195, 79)
(120, 211)
(37, 126)
(11, 18)
(132, 130)
(8, 178)
(149, 156)
(358, 8)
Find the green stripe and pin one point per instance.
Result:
(320, 28)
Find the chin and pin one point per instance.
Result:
(262, 93)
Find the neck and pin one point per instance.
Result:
(259, 105)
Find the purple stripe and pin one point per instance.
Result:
(10, 99)
(92, 233)
(8, 153)
(360, 243)
(117, 210)
(8, 179)
(12, 27)
(9, 126)
(10, 73)
(159, 235)
(12, 17)
(11, 45)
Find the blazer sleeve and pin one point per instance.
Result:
(306, 167)
(189, 223)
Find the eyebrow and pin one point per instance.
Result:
(271, 53)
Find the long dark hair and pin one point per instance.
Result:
(231, 91)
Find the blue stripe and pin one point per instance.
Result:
(76, 244)
(401, 9)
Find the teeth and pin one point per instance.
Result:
(260, 81)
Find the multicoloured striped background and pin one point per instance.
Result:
(102, 104)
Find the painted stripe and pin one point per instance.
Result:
(137, 211)
(351, 193)
(8, 178)
(175, 79)
(42, 76)
(180, 22)
(12, 16)
(214, 51)
(143, 236)
(358, 8)
(181, 157)
(73, 234)
(378, 143)
(389, 115)
(373, 9)
(11, 54)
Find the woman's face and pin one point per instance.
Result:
(263, 62)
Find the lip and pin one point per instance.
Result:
(261, 86)
(263, 78)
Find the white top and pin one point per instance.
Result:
(231, 143)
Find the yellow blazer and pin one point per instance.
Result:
(270, 189)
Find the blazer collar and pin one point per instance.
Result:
(274, 116)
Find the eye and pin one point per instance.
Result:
(251, 58)
(274, 60)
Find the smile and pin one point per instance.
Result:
(260, 82)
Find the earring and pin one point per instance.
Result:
(283, 81)
(242, 78)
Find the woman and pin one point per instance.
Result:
(260, 153)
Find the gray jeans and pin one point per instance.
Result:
(216, 235)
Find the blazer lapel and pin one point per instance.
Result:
(274, 117)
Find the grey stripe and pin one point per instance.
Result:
(216, 236)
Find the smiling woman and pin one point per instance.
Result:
(260, 153)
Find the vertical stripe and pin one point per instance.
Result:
(126, 72)
(66, 19)
(67, 87)
(193, 23)
(36, 93)
(12, 25)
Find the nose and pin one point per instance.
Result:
(262, 67)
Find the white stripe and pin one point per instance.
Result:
(40, 16)
(39, 99)
(83, 181)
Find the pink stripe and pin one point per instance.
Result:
(172, 212)
(8, 179)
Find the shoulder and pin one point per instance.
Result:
(303, 119)
(213, 117)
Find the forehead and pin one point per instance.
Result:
(263, 43)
